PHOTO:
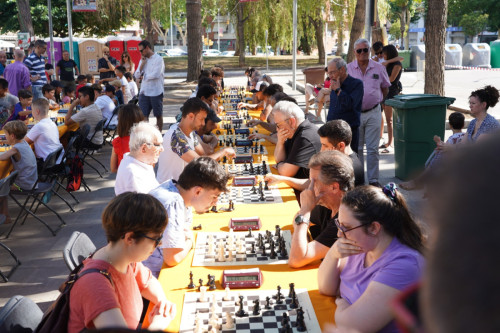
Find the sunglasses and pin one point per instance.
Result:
(364, 50)
(156, 240)
(379, 53)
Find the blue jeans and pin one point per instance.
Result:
(37, 92)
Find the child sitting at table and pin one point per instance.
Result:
(44, 134)
(90, 79)
(22, 110)
(49, 92)
(68, 94)
(81, 81)
(23, 160)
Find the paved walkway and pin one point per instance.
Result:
(43, 269)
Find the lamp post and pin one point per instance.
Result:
(70, 28)
(51, 32)
(294, 65)
(218, 30)
(171, 28)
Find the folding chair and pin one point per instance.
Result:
(5, 185)
(44, 185)
(77, 249)
(109, 130)
(88, 151)
(20, 314)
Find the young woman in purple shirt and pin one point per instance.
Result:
(378, 254)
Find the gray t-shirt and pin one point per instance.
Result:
(26, 166)
(90, 115)
(6, 106)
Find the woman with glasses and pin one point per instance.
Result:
(128, 63)
(378, 254)
(134, 225)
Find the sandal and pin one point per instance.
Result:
(385, 151)
(384, 146)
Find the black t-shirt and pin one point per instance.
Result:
(324, 231)
(104, 64)
(359, 172)
(66, 69)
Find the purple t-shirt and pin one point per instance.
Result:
(18, 76)
(398, 267)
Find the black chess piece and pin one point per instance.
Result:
(241, 312)
(261, 148)
(231, 206)
(285, 319)
(224, 160)
(291, 291)
(212, 283)
(214, 209)
(277, 231)
(295, 302)
(191, 284)
(272, 255)
(262, 197)
(253, 248)
(278, 295)
(300, 324)
(254, 190)
(256, 307)
(209, 279)
(263, 249)
(266, 185)
(268, 303)
(246, 167)
(286, 328)
(201, 284)
(249, 232)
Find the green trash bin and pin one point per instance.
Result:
(416, 118)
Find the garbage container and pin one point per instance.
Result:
(495, 53)
(417, 57)
(314, 75)
(453, 56)
(417, 118)
(476, 55)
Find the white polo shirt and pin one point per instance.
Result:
(134, 176)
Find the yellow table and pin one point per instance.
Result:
(175, 279)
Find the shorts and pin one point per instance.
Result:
(146, 103)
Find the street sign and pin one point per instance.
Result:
(23, 39)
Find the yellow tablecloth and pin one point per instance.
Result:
(174, 280)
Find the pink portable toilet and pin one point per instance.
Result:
(132, 47)
(58, 47)
(116, 47)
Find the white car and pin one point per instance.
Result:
(227, 54)
(175, 52)
(211, 53)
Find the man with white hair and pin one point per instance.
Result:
(17, 74)
(298, 140)
(376, 86)
(136, 173)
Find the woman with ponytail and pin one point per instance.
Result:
(479, 102)
(378, 253)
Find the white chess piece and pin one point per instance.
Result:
(222, 256)
(241, 246)
(203, 290)
(229, 322)
(198, 323)
(227, 296)
(214, 307)
(214, 321)
(230, 255)
(210, 248)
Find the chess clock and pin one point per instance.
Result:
(231, 113)
(245, 223)
(245, 131)
(242, 278)
(244, 181)
(241, 159)
(244, 142)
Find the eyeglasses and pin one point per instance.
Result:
(332, 72)
(364, 50)
(140, 50)
(156, 240)
(157, 145)
(344, 229)
(278, 125)
(378, 53)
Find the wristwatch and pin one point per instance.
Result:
(301, 219)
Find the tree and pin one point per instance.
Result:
(193, 18)
(25, 21)
(435, 37)
(358, 24)
(405, 11)
(394, 30)
(474, 23)
(459, 8)
(240, 21)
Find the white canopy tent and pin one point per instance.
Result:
(6, 45)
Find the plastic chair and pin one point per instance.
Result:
(20, 314)
(109, 131)
(78, 247)
(89, 150)
(44, 185)
(5, 185)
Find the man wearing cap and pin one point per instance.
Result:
(180, 143)
(106, 104)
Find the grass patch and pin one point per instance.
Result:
(179, 64)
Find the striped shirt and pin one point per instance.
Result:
(36, 66)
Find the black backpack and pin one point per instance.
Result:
(55, 319)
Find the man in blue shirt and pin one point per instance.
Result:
(36, 65)
(346, 98)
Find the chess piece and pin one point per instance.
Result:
(285, 319)
(230, 255)
(198, 323)
(272, 254)
(253, 248)
(203, 291)
(231, 206)
(254, 190)
(279, 296)
(241, 312)
(295, 303)
(212, 283)
(221, 257)
(277, 232)
(268, 303)
(213, 307)
(291, 291)
(256, 307)
(191, 283)
(214, 209)
(210, 250)
(229, 325)
(300, 324)
(246, 166)
(286, 328)
(201, 284)
(227, 296)
(214, 322)
(249, 232)
(266, 187)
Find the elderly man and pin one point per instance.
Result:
(331, 175)
(136, 173)
(66, 69)
(345, 98)
(297, 141)
(198, 187)
(3, 61)
(36, 65)
(150, 72)
(17, 74)
(106, 65)
(375, 85)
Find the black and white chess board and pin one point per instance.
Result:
(206, 252)
(267, 321)
(245, 195)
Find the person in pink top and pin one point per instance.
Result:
(376, 86)
(134, 225)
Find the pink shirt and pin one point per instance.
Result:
(374, 79)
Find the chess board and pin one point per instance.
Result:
(244, 195)
(250, 150)
(203, 258)
(268, 321)
(244, 169)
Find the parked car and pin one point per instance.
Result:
(162, 54)
(261, 52)
(175, 52)
(211, 53)
(227, 54)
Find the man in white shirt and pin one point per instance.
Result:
(106, 104)
(136, 173)
(150, 71)
(132, 86)
(180, 143)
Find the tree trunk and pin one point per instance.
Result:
(378, 30)
(319, 31)
(181, 32)
(358, 24)
(146, 20)
(435, 37)
(402, 25)
(159, 31)
(193, 19)
(407, 37)
(24, 16)
(241, 34)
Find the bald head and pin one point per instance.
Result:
(19, 54)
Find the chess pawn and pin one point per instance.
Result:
(222, 256)
(203, 291)
(227, 296)
(210, 249)
(230, 256)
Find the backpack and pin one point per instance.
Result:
(55, 319)
(75, 174)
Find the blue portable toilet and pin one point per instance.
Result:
(76, 52)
